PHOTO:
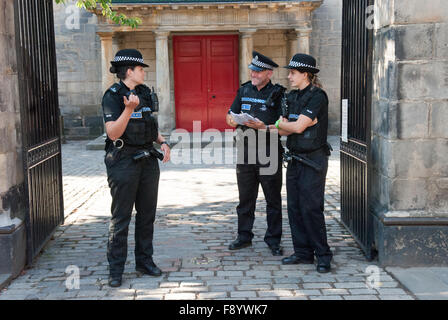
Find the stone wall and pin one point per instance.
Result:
(274, 44)
(146, 44)
(12, 213)
(78, 52)
(11, 168)
(326, 47)
(409, 132)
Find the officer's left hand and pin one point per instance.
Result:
(258, 124)
(166, 153)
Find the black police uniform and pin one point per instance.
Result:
(250, 100)
(131, 182)
(305, 185)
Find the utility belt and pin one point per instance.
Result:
(326, 148)
(304, 158)
(130, 148)
(138, 152)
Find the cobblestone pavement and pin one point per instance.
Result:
(196, 220)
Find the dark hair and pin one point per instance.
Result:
(121, 71)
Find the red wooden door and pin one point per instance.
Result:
(205, 79)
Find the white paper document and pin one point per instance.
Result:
(344, 121)
(241, 118)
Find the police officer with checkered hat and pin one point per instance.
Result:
(131, 163)
(306, 124)
(262, 100)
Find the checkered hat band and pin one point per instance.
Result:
(296, 64)
(123, 58)
(258, 63)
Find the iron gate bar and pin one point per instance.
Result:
(36, 64)
(357, 46)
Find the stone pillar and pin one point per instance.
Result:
(107, 55)
(298, 42)
(303, 39)
(115, 45)
(166, 117)
(409, 133)
(246, 48)
(293, 46)
(12, 197)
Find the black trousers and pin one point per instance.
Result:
(249, 179)
(305, 192)
(131, 183)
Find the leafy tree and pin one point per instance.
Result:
(107, 11)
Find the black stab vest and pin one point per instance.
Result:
(314, 137)
(142, 129)
(254, 103)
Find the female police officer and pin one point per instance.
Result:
(305, 123)
(131, 162)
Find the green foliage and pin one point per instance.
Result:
(107, 11)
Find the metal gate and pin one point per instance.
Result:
(357, 42)
(36, 61)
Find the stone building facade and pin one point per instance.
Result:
(276, 28)
(79, 71)
(409, 132)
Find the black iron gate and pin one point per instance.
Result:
(36, 60)
(357, 42)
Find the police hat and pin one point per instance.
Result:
(303, 63)
(261, 62)
(128, 57)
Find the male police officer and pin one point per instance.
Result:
(261, 99)
(131, 162)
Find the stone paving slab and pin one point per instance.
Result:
(425, 283)
(196, 220)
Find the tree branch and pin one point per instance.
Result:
(107, 11)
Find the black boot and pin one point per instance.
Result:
(276, 250)
(239, 244)
(149, 268)
(114, 280)
(293, 259)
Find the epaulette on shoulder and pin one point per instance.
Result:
(315, 89)
(115, 88)
(246, 83)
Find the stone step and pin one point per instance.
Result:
(97, 144)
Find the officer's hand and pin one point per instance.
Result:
(132, 103)
(232, 122)
(166, 152)
(283, 119)
(257, 124)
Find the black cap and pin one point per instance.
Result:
(303, 62)
(128, 57)
(261, 62)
